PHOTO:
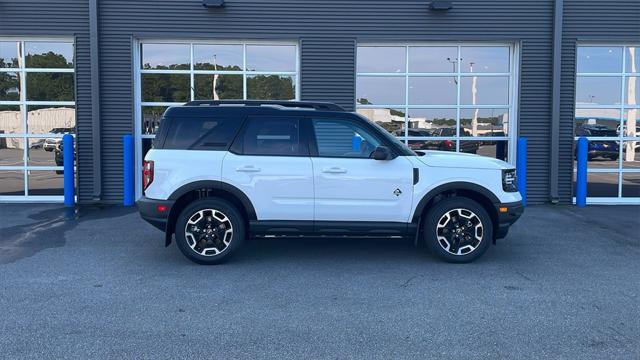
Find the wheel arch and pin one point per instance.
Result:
(476, 192)
(188, 193)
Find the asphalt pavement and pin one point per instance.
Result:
(564, 284)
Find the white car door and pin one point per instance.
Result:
(269, 162)
(351, 186)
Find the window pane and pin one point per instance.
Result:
(494, 149)
(42, 151)
(597, 122)
(432, 90)
(432, 122)
(484, 122)
(11, 121)
(217, 57)
(630, 185)
(166, 87)
(11, 182)
(602, 185)
(9, 86)
(151, 117)
(632, 90)
(11, 151)
(52, 55)
(50, 87)
(631, 154)
(440, 145)
(380, 90)
(271, 87)
(632, 59)
(273, 136)
(433, 59)
(51, 119)
(201, 133)
(165, 56)
(598, 90)
(391, 120)
(46, 182)
(271, 58)
(478, 90)
(485, 59)
(226, 87)
(381, 59)
(147, 144)
(9, 54)
(631, 123)
(599, 59)
(337, 138)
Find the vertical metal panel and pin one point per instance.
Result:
(587, 20)
(328, 70)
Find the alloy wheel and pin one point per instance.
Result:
(208, 232)
(459, 231)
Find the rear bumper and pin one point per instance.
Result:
(150, 211)
(508, 217)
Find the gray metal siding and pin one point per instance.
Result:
(327, 69)
(61, 18)
(326, 30)
(588, 20)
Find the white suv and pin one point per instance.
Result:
(220, 171)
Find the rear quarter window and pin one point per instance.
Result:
(201, 133)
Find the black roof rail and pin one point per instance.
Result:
(321, 106)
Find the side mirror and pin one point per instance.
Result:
(381, 153)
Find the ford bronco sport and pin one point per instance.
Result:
(220, 171)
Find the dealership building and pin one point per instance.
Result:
(470, 76)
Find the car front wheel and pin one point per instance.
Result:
(209, 231)
(458, 230)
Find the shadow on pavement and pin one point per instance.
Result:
(48, 230)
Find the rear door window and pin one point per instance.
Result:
(201, 133)
(272, 135)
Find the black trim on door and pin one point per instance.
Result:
(333, 228)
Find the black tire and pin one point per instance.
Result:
(468, 249)
(235, 220)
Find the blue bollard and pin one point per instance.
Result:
(68, 162)
(128, 151)
(581, 172)
(521, 168)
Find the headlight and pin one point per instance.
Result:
(509, 183)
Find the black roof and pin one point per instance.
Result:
(203, 108)
(314, 105)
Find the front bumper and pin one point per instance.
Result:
(150, 211)
(506, 218)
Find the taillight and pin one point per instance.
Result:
(147, 174)
(448, 144)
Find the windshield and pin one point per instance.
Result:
(405, 149)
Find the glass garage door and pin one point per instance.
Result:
(172, 73)
(37, 107)
(450, 97)
(606, 112)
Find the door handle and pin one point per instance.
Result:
(334, 170)
(248, 168)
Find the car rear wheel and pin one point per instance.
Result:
(209, 231)
(458, 230)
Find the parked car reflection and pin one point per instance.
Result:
(608, 149)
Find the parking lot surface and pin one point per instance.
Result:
(564, 284)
